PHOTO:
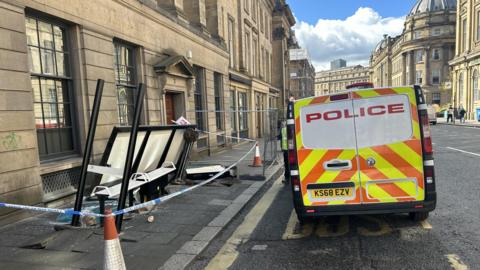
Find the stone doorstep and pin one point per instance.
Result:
(191, 249)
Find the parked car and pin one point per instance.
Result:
(432, 115)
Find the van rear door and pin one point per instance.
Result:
(389, 145)
(327, 151)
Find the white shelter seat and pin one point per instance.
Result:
(136, 181)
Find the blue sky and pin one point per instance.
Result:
(312, 10)
(348, 29)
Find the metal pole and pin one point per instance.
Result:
(87, 151)
(127, 169)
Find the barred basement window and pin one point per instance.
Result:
(52, 95)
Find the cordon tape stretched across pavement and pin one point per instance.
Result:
(138, 206)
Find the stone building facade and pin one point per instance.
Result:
(421, 53)
(302, 74)
(331, 81)
(466, 63)
(200, 59)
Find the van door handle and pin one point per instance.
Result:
(337, 165)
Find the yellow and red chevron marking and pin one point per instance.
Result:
(402, 160)
(396, 163)
(312, 171)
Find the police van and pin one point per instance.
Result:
(365, 151)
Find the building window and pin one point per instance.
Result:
(261, 15)
(52, 95)
(435, 76)
(419, 56)
(418, 77)
(231, 44)
(243, 114)
(437, 31)
(478, 25)
(436, 54)
(476, 90)
(464, 34)
(460, 88)
(199, 101)
(255, 58)
(436, 98)
(417, 34)
(233, 112)
(125, 80)
(247, 51)
(218, 91)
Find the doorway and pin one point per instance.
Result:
(174, 106)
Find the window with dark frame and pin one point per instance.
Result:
(243, 114)
(231, 41)
(233, 112)
(218, 92)
(436, 98)
(199, 74)
(476, 90)
(435, 76)
(125, 81)
(436, 54)
(50, 79)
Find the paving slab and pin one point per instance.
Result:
(182, 228)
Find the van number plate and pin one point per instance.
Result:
(331, 193)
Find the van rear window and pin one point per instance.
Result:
(367, 122)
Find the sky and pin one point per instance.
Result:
(348, 29)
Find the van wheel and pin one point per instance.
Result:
(418, 216)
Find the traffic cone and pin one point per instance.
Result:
(257, 160)
(113, 251)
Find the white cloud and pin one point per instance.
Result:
(352, 39)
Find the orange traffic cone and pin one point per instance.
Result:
(257, 160)
(113, 251)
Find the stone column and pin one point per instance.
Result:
(196, 13)
(427, 66)
(411, 64)
(404, 68)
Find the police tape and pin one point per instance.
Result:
(71, 212)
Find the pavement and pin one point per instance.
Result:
(182, 228)
(468, 123)
(267, 235)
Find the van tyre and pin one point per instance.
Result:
(418, 216)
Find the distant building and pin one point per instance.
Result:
(302, 74)
(421, 53)
(332, 81)
(466, 63)
(338, 63)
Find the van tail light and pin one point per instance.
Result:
(427, 139)
(296, 183)
(429, 174)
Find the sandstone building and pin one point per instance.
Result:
(421, 53)
(331, 81)
(302, 74)
(202, 59)
(466, 63)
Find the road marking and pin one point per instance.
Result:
(463, 151)
(455, 262)
(228, 253)
(296, 231)
(342, 228)
(384, 227)
(426, 225)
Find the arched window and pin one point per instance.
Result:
(460, 88)
(476, 94)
